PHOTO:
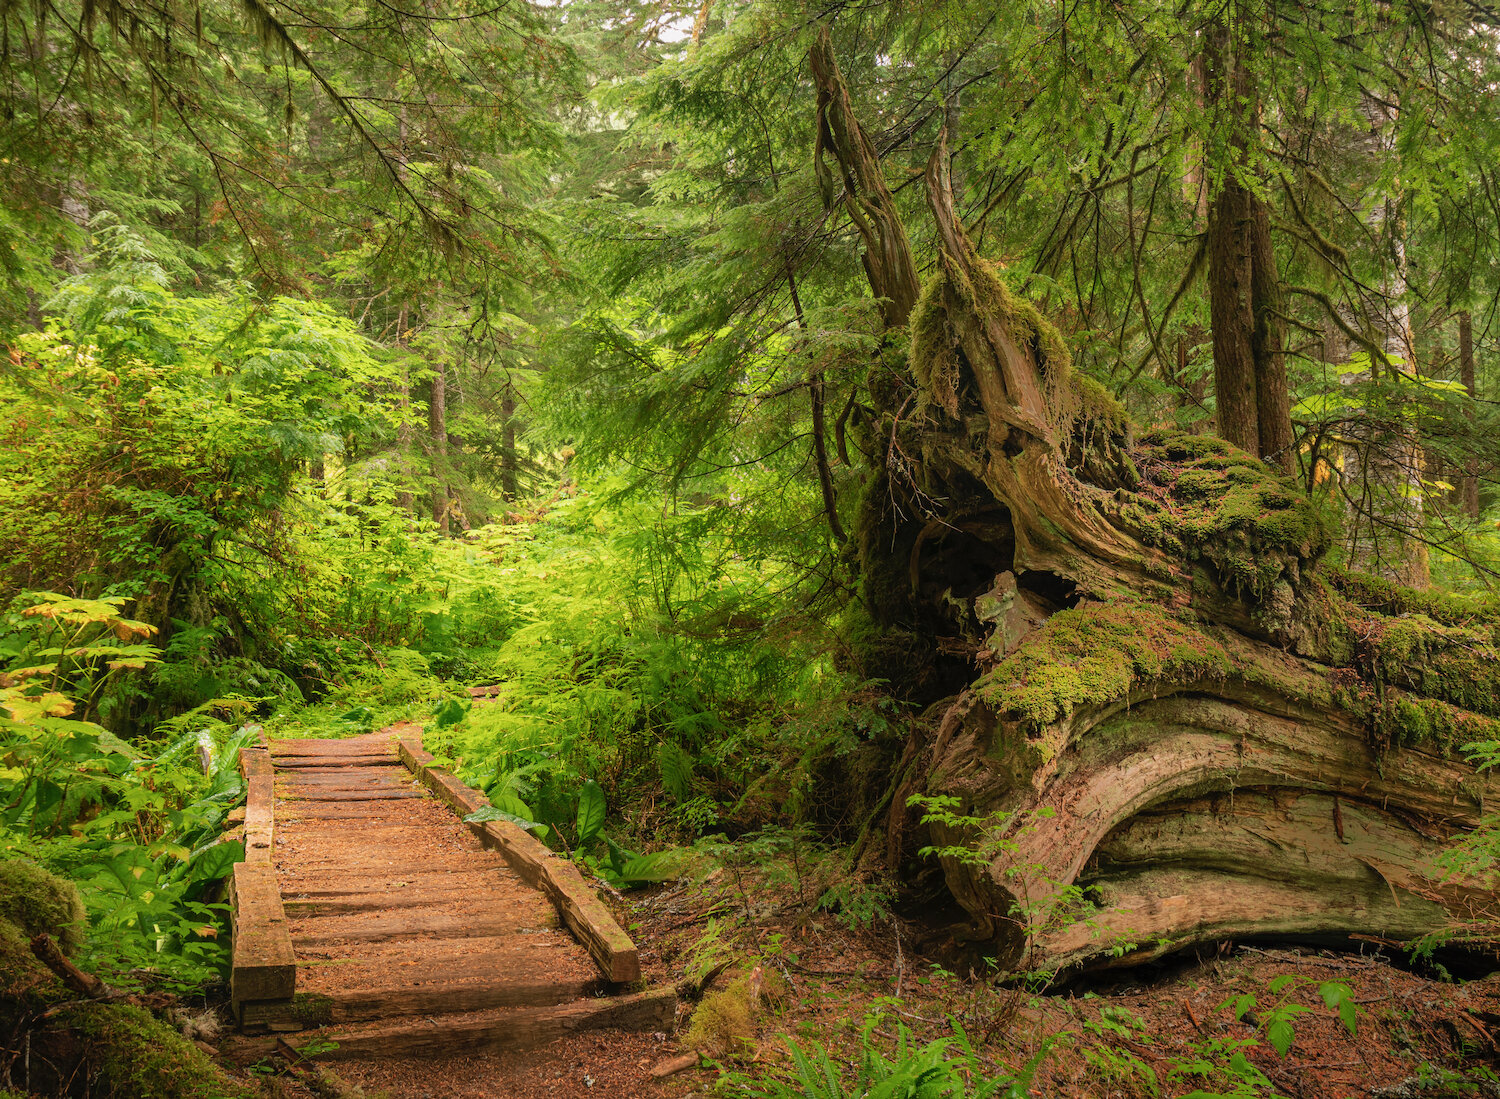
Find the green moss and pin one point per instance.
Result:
(20, 972)
(1383, 597)
(39, 902)
(312, 1010)
(1409, 721)
(1204, 499)
(1095, 654)
(136, 1056)
(934, 354)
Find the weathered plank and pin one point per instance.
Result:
(349, 795)
(331, 763)
(509, 1029)
(585, 914)
(324, 930)
(260, 801)
(345, 903)
(450, 997)
(263, 965)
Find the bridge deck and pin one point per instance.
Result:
(408, 934)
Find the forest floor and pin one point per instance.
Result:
(1167, 1032)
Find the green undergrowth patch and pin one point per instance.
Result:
(1204, 499)
(124, 1050)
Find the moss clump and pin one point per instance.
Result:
(1409, 721)
(935, 358)
(1203, 499)
(724, 1022)
(1384, 597)
(1095, 654)
(1453, 663)
(136, 1056)
(38, 902)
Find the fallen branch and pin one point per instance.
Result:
(84, 984)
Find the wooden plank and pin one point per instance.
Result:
(591, 920)
(513, 1029)
(582, 911)
(404, 927)
(349, 795)
(260, 802)
(263, 965)
(448, 998)
(328, 763)
(344, 903)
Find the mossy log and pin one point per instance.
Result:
(1163, 721)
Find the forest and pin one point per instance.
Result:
(971, 528)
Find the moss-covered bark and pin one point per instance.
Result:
(1165, 722)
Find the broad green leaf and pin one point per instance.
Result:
(590, 812)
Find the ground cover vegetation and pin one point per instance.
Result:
(1011, 479)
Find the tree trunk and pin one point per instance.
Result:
(509, 460)
(406, 500)
(1268, 343)
(1469, 486)
(437, 424)
(1229, 260)
(1158, 721)
(1245, 297)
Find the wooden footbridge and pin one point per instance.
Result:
(369, 920)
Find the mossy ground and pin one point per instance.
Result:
(136, 1056)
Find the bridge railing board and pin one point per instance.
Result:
(263, 966)
(535, 863)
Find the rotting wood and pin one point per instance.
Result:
(581, 909)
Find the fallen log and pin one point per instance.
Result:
(1162, 719)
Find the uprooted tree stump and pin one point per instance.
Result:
(1170, 725)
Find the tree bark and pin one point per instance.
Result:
(437, 423)
(860, 185)
(1229, 259)
(406, 500)
(509, 459)
(1267, 345)
(1469, 486)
